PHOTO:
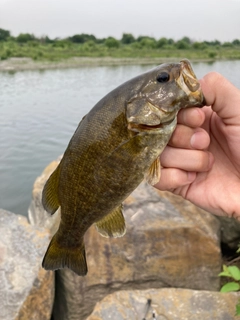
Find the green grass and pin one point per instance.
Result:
(61, 50)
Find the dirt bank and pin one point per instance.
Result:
(17, 64)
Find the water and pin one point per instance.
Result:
(40, 110)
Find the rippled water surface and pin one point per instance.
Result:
(40, 110)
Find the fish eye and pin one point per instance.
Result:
(163, 77)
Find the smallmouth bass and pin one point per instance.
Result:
(114, 147)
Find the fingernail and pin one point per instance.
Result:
(195, 140)
(199, 140)
(192, 140)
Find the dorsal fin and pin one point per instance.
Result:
(50, 199)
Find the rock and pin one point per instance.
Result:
(167, 304)
(36, 214)
(26, 290)
(230, 232)
(169, 243)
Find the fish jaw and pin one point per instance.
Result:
(188, 82)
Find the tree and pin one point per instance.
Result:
(186, 40)
(25, 37)
(213, 43)
(127, 38)
(216, 43)
(146, 41)
(83, 37)
(199, 45)
(4, 34)
(46, 39)
(61, 43)
(227, 44)
(182, 45)
(140, 38)
(111, 42)
(162, 42)
(236, 42)
(171, 41)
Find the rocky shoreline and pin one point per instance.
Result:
(170, 255)
(20, 64)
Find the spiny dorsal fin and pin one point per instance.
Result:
(154, 172)
(113, 224)
(50, 193)
(58, 257)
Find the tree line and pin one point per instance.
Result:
(111, 42)
(87, 45)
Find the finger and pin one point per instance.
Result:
(188, 138)
(192, 117)
(223, 96)
(172, 178)
(188, 160)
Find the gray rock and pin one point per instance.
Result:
(167, 304)
(26, 290)
(169, 243)
(36, 214)
(230, 232)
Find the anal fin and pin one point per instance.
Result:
(113, 224)
(58, 257)
(154, 172)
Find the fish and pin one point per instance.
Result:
(115, 146)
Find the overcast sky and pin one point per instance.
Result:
(197, 19)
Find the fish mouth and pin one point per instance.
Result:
(188, 82)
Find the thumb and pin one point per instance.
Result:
(223, 96)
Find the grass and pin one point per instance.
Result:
(62, 50)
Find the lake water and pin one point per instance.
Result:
(40, 110)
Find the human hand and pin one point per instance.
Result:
(202, 160)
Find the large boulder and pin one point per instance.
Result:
(230, 232)
(26, 290)
(170, 304)
(230, 228)
(169, 243)
(36, 214)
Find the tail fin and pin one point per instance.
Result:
(58, 257)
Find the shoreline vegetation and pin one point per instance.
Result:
(27, 52)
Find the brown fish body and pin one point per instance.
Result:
(115, 145)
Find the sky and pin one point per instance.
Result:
(197, 19)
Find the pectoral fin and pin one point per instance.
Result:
(50, 193)
(113, 224)
(154, 172)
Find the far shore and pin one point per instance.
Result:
(20, 64)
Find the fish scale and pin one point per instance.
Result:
(114, 147)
